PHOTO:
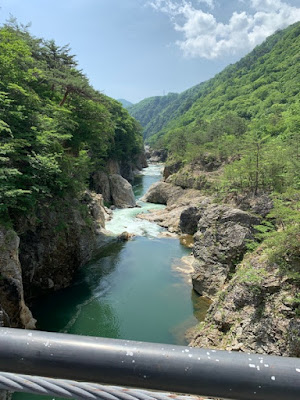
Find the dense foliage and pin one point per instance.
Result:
(247, 118)
(248, 115)
(55, 128)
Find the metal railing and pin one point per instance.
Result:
(193, 371)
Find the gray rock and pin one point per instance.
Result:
(121, 192)
(14, 312)
(220, 242)
(101, 185)
(189, 219)
(57, 240)
(163, 193)
(171, 169)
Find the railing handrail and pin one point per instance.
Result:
(171, 368)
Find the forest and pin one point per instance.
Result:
(246, 120)
(55, 128)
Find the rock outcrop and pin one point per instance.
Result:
(257, 311)
(113, 181)
(163, 193)
(57, 240)
(100, 183)
(13, 310)
(121, 192)
(220, 243)
(177, 200)
(189, 219)
(157, 155)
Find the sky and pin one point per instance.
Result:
(134, 49)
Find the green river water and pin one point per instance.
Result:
(132, 290)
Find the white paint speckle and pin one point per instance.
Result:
(133, 361)
(145, 376)
(252, 365)
(250, 359)
(29, 334)
(129, 353)
(258, 368)
(186, 350)
(47, 343)
(266, 365)
(273, 378)
(190, 355)
(217, 360)
(199, 358)
(213, 351)
(298, 369)
(208, 353)
(209, 357)
(261, 361)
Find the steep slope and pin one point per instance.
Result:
(125, 103)
(154, 113)
(265, 82)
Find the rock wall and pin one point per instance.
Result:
(113, 181)
(255, 306)
(57, 240)
(13, 310)
(257, 311)
(220, 243)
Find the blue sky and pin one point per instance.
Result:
(134, 49)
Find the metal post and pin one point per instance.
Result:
(179, 369)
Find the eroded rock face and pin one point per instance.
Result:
(121, 192)
(156, 156)
(189, 219)
(14, 312)
(57, 241)
(255, 312)
(101, 185)
(171, 168)
(220, 242)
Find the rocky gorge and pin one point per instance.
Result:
(254, 304)
(42, 251)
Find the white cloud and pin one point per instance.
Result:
(204, 36)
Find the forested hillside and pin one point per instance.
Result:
(238, 143)
(154, 113)
(55, 128)
(264, 84)
(125, 103)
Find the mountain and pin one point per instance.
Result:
(125, 103)
(263, 83)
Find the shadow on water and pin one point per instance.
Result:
(57, 312)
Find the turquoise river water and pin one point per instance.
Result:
(134, 290)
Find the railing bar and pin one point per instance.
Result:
(194, 371)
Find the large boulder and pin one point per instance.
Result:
(163, 193)
(220, 242)
(101, 185)
(121, 192)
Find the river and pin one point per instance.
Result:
(133, 290)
